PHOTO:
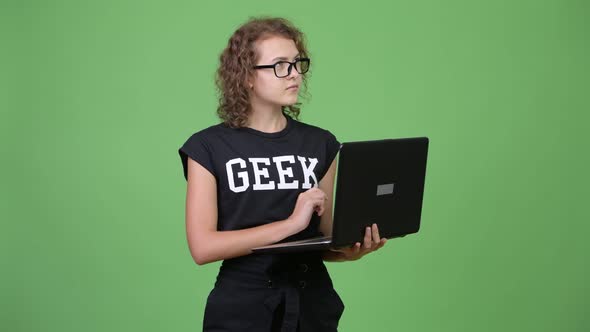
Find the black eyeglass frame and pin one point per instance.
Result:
(291, 65)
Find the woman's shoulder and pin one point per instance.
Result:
(208, 133)
(312, 128)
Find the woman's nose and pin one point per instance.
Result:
(294, 73)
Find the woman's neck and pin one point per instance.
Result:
(267, 121)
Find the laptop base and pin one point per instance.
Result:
(316, 243)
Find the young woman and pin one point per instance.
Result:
(258, 177)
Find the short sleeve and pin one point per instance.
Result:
(197, 149)
(332, 148)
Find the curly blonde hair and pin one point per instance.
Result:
(236, 65)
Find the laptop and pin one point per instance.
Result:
(377, 181)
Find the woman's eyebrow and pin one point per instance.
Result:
(283, 58)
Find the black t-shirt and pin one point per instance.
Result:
(260, 175)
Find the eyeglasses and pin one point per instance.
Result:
(283, 68)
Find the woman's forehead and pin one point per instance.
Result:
(274, 48)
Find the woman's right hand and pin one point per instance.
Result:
(307, 202)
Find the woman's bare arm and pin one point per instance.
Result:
(207, 244)
(327, 185)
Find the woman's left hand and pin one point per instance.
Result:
(371, 242)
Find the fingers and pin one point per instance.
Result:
(375, 232)
(319, 205)
(381, 243)
(367, 240)
(318, 198)
(314, 191)
(320, 209)
(372, 240)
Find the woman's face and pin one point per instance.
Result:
(267, 87)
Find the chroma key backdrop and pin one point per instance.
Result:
(96, 97)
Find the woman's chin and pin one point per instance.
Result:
(290, 102)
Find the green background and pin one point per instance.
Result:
(97, 97)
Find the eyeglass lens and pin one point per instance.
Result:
(282, 68)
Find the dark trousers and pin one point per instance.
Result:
(299, 299)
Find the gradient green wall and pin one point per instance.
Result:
(96, 98)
